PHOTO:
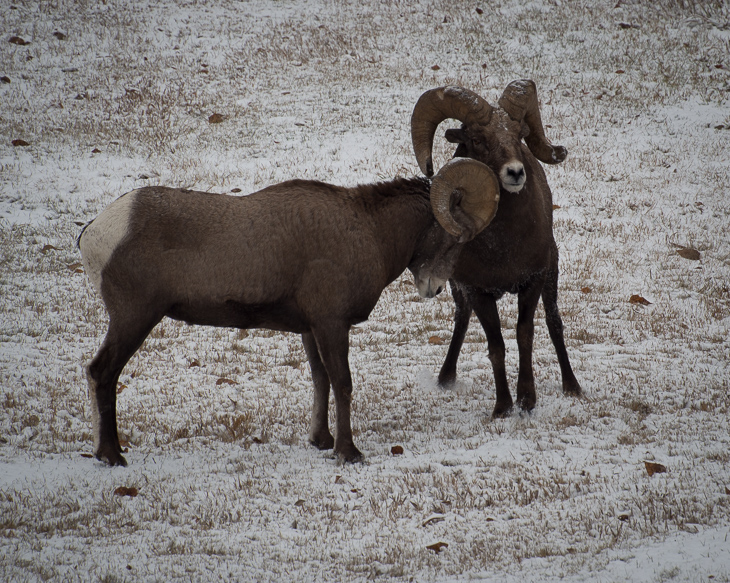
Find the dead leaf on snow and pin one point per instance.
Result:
(224, 381)
(124, 491)
(586, 290)
(47, 248)
(654, 468)
(215, 118)
(396, 450)
(636, 299)
(19, 142)
(437, 547)
(436, 340)
(16, 40)
(689, 253)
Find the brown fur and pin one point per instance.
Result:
(300, 256)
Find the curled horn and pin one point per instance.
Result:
(519, 100)
(436, 105)
(474, 188)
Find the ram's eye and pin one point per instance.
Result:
(476, 142)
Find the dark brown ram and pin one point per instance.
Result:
(301, 256)
(517, 252)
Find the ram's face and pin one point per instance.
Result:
(433, 263)
(498, 145)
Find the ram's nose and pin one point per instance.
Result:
(430, 287)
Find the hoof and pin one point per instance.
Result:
(324, 441)
(111, 456)
(446, 380)
(527, 404)
(572, 388)
(351, 455)
(502, 411)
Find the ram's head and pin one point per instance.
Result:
(490, 135)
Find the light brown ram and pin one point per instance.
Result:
(517, 252)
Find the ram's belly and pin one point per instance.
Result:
(283, 316)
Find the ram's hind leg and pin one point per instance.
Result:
(319, 433)
(462, 313)
(333, 345)
(124, 337)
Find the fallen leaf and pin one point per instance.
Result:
(654, 468)
(59, 35)
(727, 490)
(87, 455)
(75, 266)
(96, 151)
(437, 547)
(16, 40)
(620, 71)
(435, 68)
(194, 363)
(299, 502)
(556, 207)
(396, 450)
(121, 387)
(586, 290)
(47, 248)
(224, 381)
(689, 253)
(436, 340)
(636, 299)
(480, 11)
(5, 79)
(235, 190)
(124, 491)
(215, 118)
(19, 143)
(337, 478)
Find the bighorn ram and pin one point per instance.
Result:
(301, 256)
(517, 252)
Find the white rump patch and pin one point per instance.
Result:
(103, 235)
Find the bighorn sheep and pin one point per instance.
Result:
(300, 256)
(517, 252)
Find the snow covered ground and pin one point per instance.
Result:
(109, 96)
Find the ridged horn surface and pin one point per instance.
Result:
(519, 100)
(436, 105)
(480, 194)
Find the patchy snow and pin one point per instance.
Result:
(216, 420)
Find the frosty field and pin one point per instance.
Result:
(99, 98)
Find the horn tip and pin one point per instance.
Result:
(559, 153)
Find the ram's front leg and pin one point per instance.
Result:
(319, 432)
(333, 344)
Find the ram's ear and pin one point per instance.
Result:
(456, 136)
